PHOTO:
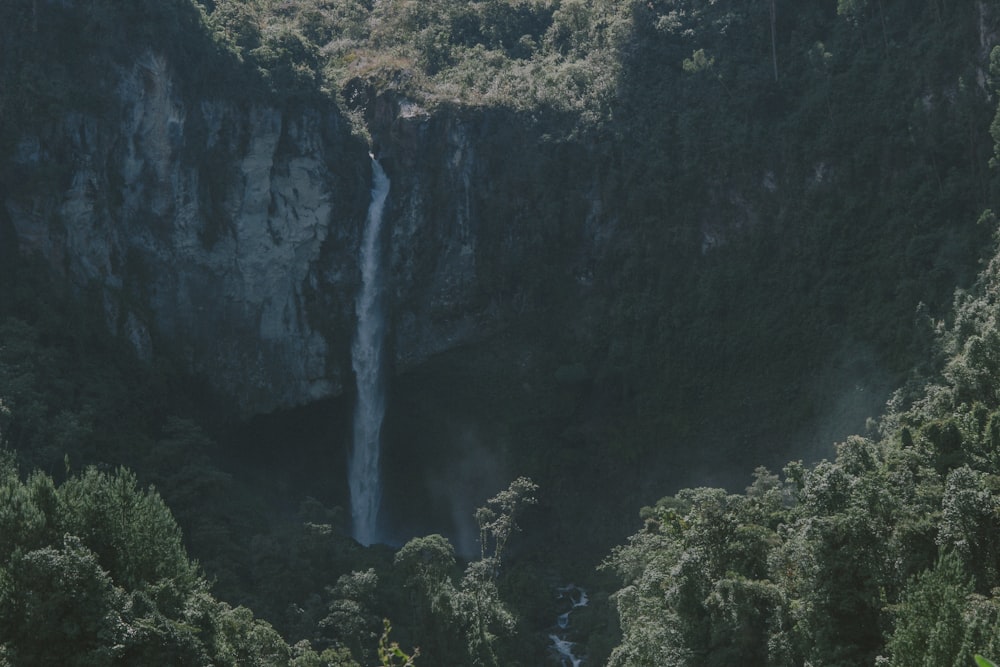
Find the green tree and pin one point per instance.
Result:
(389, 653)
(60, 608)
(350, 621)
(132, 532)
(969, 524)
(93, 572)
(930, 619)
(471, 607)
(697, 586)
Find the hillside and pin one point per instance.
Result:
(631, 248)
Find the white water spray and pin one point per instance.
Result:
(563, 647)
(366, 358)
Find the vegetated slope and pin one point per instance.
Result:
(785, 230)
(92, 571)
(888, 549)
(774, 247)
(883, 550)
(772, 238)
(774, 199)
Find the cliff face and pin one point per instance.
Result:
(490, 223)
(228, 234)
(223, 233)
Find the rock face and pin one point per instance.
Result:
(434, 233)
(224, 234)
(228, 234)
(479, 239)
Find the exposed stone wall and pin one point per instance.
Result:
(225, 234)
(228, 234)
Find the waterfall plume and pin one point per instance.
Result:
(366, 359)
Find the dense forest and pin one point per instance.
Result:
(734, 361)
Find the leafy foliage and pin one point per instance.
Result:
(766, 171)
(885, 554)
(93, 572)
(471, 606)
(389, 653)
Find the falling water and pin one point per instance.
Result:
(366, 358)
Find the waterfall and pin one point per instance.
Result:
(366, 359)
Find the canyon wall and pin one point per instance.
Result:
(227, 233)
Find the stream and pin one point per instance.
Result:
(577, 597)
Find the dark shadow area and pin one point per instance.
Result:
(293, 454)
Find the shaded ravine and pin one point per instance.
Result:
(366, 359)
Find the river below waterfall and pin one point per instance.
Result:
(575, 597)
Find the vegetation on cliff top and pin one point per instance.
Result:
(524, 54)
(789, 181)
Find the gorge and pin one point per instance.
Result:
(528, 272)
(629, 248)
